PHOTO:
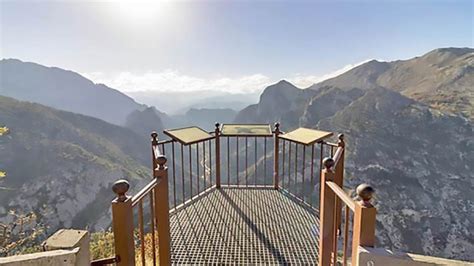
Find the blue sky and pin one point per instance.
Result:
(176, 44)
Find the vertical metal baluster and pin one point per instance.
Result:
(204, 164)
(174, 173)
(152, 216)
(237, 166)
(228, 160)
(140, 224)
(246, 163)
(334, 234)
(312, 173)
(210, 162)
(264, 160)
(320, 170)
(289, 165)
(346, 236)
(302, 186)
(197, 167)
(163, 149)
(255, 159)
(283, 164)
(296, 165)
(182, 172)
(190, 172)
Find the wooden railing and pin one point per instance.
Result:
(333, 197)
(224, 161)
(157, 229)
(298, 168)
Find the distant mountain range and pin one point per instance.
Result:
(408, 125)
(65, 90)
(410, 133)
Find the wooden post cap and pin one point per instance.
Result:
(217, 125)
(328, 163)
(154, 138)
(277, 126)
(161, 160)
(365, 193)
(120, 188)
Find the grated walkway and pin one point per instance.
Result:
(244, 226)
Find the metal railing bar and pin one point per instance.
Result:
(255, 163)
(152, 218)
(204, 162)
(237, 166)
(141, 231)
(182, 172)
(144, 191)
(246, 162)
(210, 162)
(341, 194)
(265, 159)
(283, 164)
(190, 172)
(198, 177)
(174, 173)
(312, 171)
(302, 171)
(296, 165)
(346, 236)
(289, 165)
(228, 160)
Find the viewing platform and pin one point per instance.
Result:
(242, 194)
(245, 226)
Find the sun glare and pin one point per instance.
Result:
(140, 11)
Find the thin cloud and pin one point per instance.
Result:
(174, 81)
(304, 81)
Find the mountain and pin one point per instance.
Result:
(281, 101)
(442, 79)
(418, 155)
(65, 90)
(60, 165)
(145, 121)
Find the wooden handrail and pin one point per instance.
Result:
(144, 191)
(337, 156)
(341, 194)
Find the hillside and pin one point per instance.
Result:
(65, 90)
(61, 165)
(442, 78)
(418, 155)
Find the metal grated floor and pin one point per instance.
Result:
(245, 226)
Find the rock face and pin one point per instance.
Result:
(442, 79)
(65, 90)
(417, 154)
(61, 165)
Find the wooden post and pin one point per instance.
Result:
(339, 180)
(326, 223)
(122, 223)
(162, 212)
(276, 160)
(218, 155)
(364, 222)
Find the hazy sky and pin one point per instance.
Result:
(225, 45)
